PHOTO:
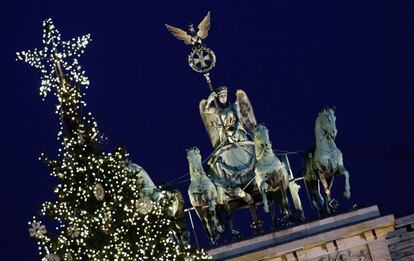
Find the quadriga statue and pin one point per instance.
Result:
(324, 162)
(234, 135)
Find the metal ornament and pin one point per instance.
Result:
(202, 59)
(144, 205)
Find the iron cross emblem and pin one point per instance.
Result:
(202, 59)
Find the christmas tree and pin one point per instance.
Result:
(100, 211)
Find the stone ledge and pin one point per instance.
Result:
(312, 233)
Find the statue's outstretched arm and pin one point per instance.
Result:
(207, 106)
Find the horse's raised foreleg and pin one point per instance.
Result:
(347, 189)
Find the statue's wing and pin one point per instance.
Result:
(211, 123)
(245, 111)
(204, 26)
(179, 34)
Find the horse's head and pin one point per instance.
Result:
(326, 121)
(194, 161)
(143, 179)
(261, 138)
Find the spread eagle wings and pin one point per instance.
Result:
(204, 26)
(180, 34)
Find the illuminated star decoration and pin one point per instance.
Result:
(53, 57)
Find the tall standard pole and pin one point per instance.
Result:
(201, 58)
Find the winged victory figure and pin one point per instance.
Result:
(238, 118)
(193, 38)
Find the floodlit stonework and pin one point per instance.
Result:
(401, 240)
(361, 234)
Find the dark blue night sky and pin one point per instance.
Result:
(291, 57)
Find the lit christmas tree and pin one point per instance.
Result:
(101, 212)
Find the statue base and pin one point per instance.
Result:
(356, 235)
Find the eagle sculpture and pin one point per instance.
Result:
(193, 38)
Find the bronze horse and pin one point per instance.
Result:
(324, 162)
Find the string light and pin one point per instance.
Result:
(96, 215)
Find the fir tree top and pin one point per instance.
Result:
(98, 213)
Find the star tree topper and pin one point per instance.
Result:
(52, 59)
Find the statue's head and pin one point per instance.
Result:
(327, 122)
(194, 162)
(193, 153)
(221, 94)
